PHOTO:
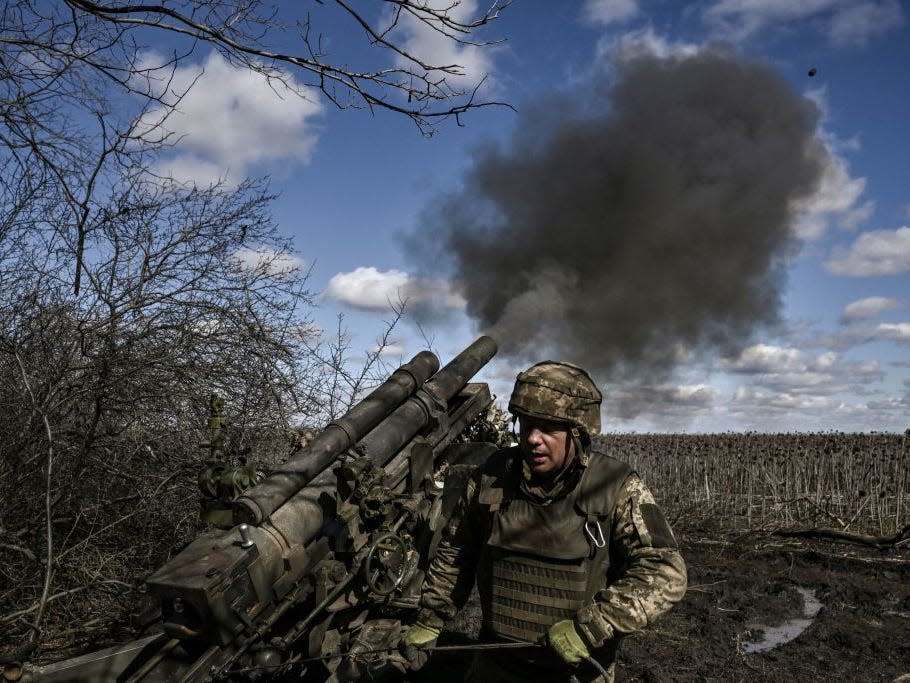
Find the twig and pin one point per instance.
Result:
(98, 532)
(91, 623)
(48, 507)
(827, 513)
(61, 594)
(25, 551)
(699, 588)
(847, 536)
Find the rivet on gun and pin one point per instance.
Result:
(246, 540)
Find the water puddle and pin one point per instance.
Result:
(774, 636)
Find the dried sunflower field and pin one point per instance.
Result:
(751, 480)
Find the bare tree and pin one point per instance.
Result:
(104, 392)
(78, 80)
(129, 298)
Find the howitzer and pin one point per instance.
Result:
(327, 553)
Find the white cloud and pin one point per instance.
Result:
(758, 399)
(895, 404)
(795, 372)
(229, 120)
(836, 198)
(807, 382)
(370, 289)
(606, 12)
(877, 252)
(436, 49)
(857, 23)
(842, 21)
(851, 219)
(644, 42)
(391, 349)
(765, 358)
(666, 402)
(740, 19)
(192, 170)
(854, 333)
(894, 331)
(694, 394)
(869, 307)
(268, 261)
(826, 361)
(770, 411)
(779, 388)
(367, 288)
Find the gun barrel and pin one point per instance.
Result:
(431, 400)
(258, 503)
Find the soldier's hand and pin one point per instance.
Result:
(565, 640)
(416, 643)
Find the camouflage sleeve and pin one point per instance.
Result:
(450, 576)
(650, 575)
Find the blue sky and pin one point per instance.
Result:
(351, 185)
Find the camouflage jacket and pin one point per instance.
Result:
(648, 574)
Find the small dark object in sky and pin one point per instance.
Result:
(812, 72)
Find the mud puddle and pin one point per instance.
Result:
(775, 636)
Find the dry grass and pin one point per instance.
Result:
(847, 481)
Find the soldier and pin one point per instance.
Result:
(567, 545)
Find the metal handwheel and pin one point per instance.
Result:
(386, 563)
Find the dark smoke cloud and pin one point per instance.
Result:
(652, 218)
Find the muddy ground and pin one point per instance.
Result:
(741, 586)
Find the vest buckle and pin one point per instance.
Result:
(598, 538)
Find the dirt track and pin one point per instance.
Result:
(743, 583)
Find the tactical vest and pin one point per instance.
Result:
(543, 561)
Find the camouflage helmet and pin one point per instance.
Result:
(560, 392)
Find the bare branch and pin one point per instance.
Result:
(418, 85)
(48, 507)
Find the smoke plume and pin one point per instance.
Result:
(650, 222)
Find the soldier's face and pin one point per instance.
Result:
(545, 445)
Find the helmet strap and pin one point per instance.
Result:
(581, 452)
(576, 453)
